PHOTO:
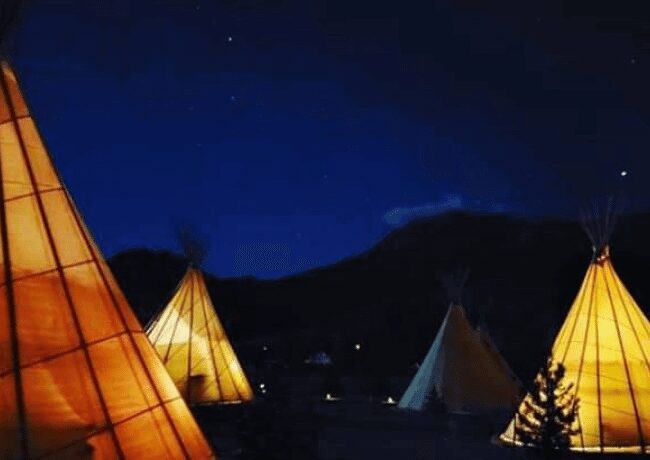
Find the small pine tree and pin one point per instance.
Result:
(548, 417)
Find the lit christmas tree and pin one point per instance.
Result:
(548, 416)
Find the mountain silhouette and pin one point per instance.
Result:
(524, 275)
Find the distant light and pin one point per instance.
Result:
(229, 38)
(357, 346)
(233, 98)
(263, 391)
(265, 348)
(262, 386)
(390, 401)
(623, 173)
(330, 397)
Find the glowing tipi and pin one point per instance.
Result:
(604, 344)
(193, 345)
(461, 371)
(78, 377)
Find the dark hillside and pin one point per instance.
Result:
(524, 275)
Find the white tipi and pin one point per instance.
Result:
(461, 372)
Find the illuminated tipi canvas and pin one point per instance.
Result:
(78, 377)
(497, 358)
(604, 344)
(462, 372)
(193, 345)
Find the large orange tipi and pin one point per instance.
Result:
(604, 344)
(78, 377)
(194, 347)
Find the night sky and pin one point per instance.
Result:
(295, 133)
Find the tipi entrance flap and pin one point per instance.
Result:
(76, 370)
(192, 344)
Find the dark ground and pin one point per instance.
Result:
(352, 431)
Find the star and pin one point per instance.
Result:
(229, 38)
(325, 176)
(623, 173)
(233, 98)
(633, 61)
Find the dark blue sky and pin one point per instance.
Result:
(296, 133)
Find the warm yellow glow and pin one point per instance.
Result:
(193, 345)
(78, 378)
(604, 344)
